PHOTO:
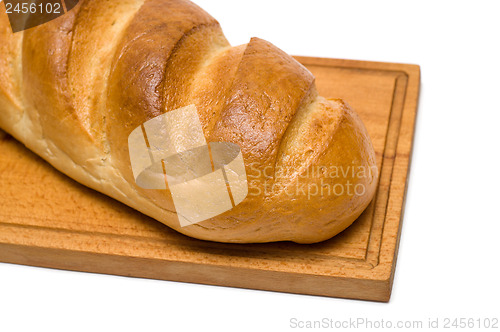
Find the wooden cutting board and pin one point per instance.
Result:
(49, 220)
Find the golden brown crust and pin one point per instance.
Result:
(92, 76)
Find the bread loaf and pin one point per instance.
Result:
(73, 90)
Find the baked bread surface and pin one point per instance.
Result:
(72, 90)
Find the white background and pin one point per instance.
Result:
(448, 257)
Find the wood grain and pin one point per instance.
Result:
(48, 220)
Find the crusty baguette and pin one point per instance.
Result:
(73, 90)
